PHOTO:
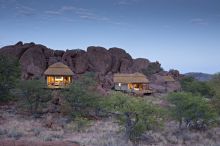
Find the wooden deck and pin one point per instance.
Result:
(142, 92)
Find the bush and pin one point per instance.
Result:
(135, 115)
(81, 96)
(189, 84)
(33, 94)
(193, 110)
(215, 84)
(9, 74)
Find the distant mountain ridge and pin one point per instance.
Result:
(200, 76)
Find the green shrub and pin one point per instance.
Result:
(33, 94)
(193, 110)
(215, 84)
(81, 96)
(9, 74)
(189, 84)
(135, 115)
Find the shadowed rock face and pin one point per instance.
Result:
(99, 59)
(76, 60)
(33, 62)
(139, 64)
(120, 60)
(35, 59)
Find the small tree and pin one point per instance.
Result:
(215, 85)
(33, 94)
(135, 115)
(81, 95)
(9, 74)
(194, 111)
(189, 84)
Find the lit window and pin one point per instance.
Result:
(58, 78)
(119, 84)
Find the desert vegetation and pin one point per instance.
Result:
(80, 109)
(32, 95)
(9, 75)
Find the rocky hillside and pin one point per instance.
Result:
(36, 58)
(200, 76)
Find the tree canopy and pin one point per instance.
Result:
(9, 74)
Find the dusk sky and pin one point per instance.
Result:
(181, 34)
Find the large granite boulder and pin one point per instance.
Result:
(33, 62)
(76, 60)
(118, 56)
(139, 64)
(16, 50)
(106, 81)
(100, 60)
(126, 66)
(158, 84)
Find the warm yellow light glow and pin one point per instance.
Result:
(119, 84)
(58, 79)
(135, 86)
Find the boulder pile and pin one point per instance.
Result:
(35, 59)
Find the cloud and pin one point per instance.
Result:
(199, 21)
(23, 10)
(49, 12)
(126, 2)
(80, 12)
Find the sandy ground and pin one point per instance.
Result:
(104, 132)
(20, 127)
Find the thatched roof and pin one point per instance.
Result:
(58, 69)
(130, 78)
(168, 79)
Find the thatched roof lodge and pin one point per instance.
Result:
(58, 75)
(137, 83)
(130, 78)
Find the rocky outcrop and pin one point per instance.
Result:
(76, 60)
(120, 60)
(16, 50)
(139, 64)
(100, 60)
(35, 59)
(175, 74)
(158, 84)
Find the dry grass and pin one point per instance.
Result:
(105, 132)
